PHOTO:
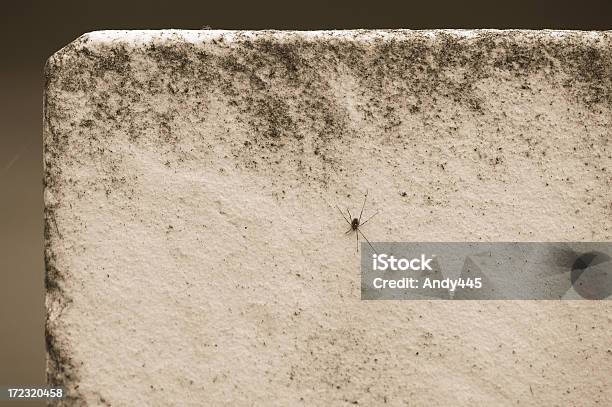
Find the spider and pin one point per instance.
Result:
(356, 224)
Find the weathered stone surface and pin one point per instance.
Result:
(195, 257)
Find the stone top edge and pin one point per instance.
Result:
(198, 35)
(138, 38)
(145, 36)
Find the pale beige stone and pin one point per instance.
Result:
(194, 254)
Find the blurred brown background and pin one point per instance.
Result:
(33, 30)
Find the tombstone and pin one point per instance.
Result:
(195, 255)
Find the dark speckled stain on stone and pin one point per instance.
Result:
(61, 370)
(280, 88)
(416, 64)
(278, 119)
(250, 75)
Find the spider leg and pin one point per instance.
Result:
(357, 239)
(366, 221)
(366, 239)
(348, 231)
(350, 216)
(342, 213)
(363, 206)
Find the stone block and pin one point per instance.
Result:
(195, 255)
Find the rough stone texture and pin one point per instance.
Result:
(194, 255)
